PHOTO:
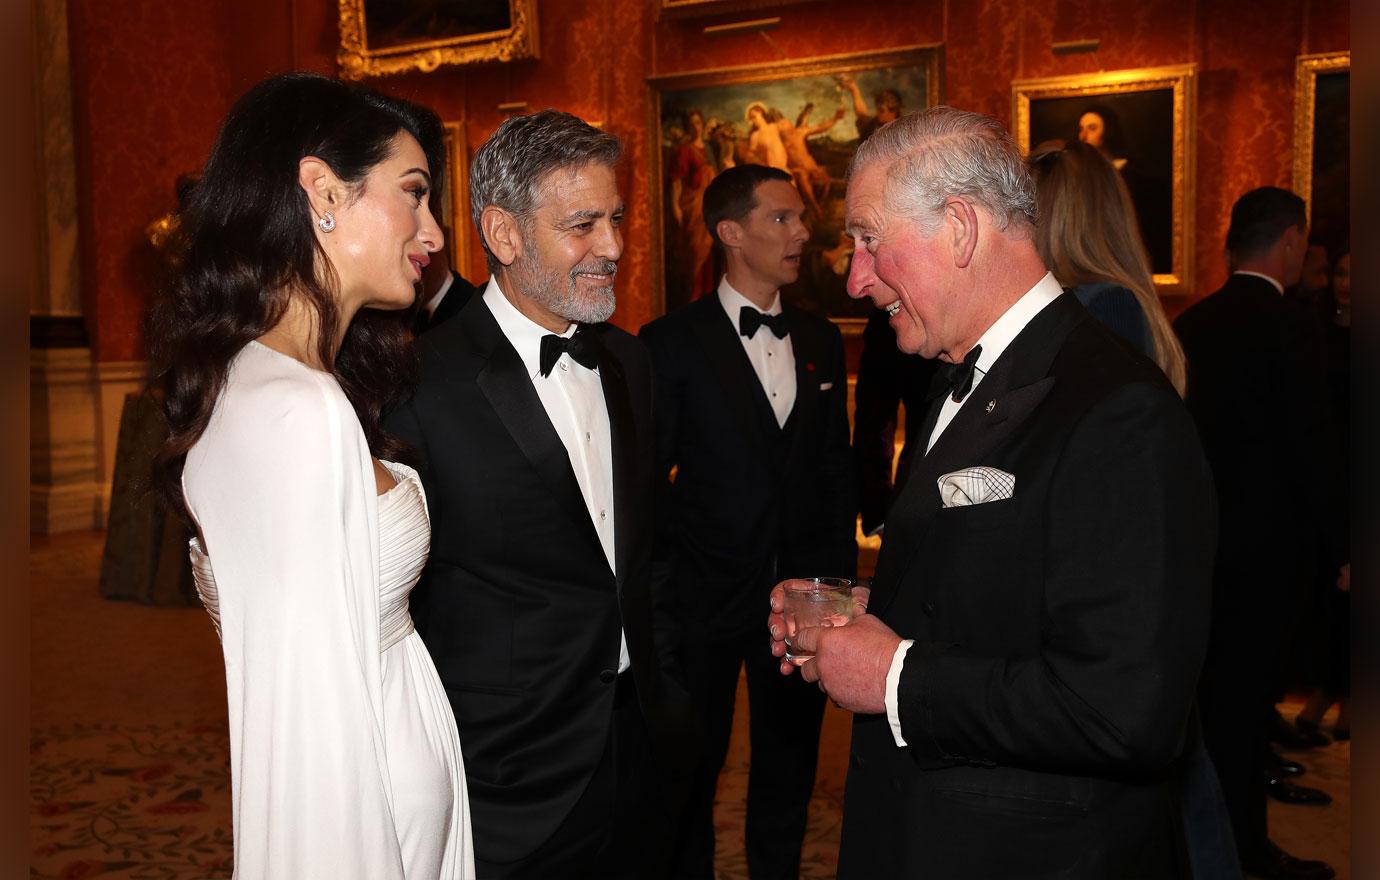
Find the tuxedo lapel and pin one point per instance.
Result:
(505, 384)
(992, 414)
(623, 433)
(718, 339)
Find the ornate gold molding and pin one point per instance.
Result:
(1306, 71)
(458, 196)
(1182, 79)
(357, 60)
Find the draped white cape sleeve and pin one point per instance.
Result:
(282, 489)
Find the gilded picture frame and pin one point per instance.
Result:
(381, 37)
(815, 149)
(1150, 134)
(696, 8)
(1322, 158)
(454, 199)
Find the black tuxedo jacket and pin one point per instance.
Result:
(460, 293)
(1058, 634)
(1257, 391)
(749, 503)
(518, 606)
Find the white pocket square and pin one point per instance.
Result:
(976, 485)
(825, 386)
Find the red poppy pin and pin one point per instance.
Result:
(809, 367)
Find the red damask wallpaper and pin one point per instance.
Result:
(151, 81)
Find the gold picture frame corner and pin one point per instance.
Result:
(517, 43)
(1182, 79)
(1307, 68)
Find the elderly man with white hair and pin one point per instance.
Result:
(1022, 680)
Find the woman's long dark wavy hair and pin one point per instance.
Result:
(248, 245)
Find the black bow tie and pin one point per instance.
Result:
(960, 376)
(583, 348)
(749, 319)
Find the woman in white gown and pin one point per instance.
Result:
(313, 207)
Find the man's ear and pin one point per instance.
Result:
(502, 234)
(1295, 240)
(961, 220)
(325, 192)
(730, 233)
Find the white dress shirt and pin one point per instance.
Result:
(573, 398)
(773, 360)
(993, 342)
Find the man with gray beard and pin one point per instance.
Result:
(532, 423)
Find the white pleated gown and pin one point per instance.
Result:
(341, 768)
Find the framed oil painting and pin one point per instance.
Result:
(395, 36)
(1322, 145)
(452, 203)
(1143, 121)
(806, 117)
(694, 8)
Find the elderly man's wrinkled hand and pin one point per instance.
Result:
(850, 662)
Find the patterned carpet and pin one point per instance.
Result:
(153, 803)
(149, 802)
(129, 756)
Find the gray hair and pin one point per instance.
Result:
(516, 159)
(943, 152)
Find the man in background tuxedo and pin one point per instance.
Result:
(444, 292)
(533, 422)
(1023, 679)
(1256, 389)
(888, 379)
(752, 450)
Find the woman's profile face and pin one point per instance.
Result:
(1091, 129)
(385, 234)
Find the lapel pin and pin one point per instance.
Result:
(991, 405)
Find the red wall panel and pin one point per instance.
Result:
(148, 90)
(152, 80)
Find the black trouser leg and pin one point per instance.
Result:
(786, 714)
(711, 669)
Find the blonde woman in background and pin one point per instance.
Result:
(1089, 239)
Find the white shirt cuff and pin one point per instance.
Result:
(893, 683)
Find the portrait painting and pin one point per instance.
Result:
(806, 118)
(394, 36)
(1141, 121)
(1322, 151)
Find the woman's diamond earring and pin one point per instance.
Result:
(327, 223)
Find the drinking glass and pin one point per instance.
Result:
(823, 601)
